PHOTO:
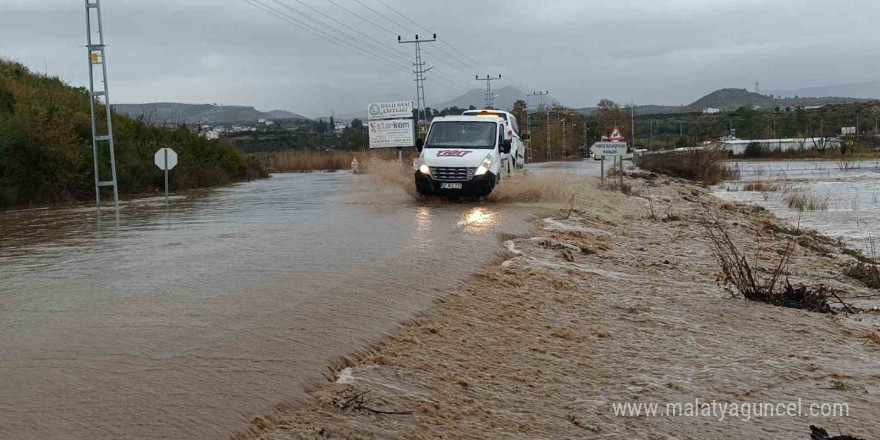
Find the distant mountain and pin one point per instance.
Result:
(866, 90)
(171, 112)
(507, 96)
(728, 100)
(284, 114)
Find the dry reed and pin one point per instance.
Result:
(760, 186)
(806, 201)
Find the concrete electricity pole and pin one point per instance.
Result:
(541, 107)
(564, 150)
(419, 71)
(632, 108)
(490, 98)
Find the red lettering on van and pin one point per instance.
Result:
(453, 153)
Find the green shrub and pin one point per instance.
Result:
(46, 146)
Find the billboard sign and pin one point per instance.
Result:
(390, 110)
(393, 133)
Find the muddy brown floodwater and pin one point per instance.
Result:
(183, 322)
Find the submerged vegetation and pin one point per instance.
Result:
(702, 165)
(867, 268)
(46, 146)
(802, 201)
(759, 284)
(760, 186)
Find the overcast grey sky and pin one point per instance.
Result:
(651, 51)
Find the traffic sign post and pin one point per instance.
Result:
(615, 148)
(166, 159)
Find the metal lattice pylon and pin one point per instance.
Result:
(97, 58)
(419, 71)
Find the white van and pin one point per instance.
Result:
(463, 156)
(511, 133)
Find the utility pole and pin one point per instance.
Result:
(632, 108)
(419, 71)
(97, 57)
(585, 140)
(490, 98)
(564, 150)
(542, 95)
(549, 153)
(547, 128)
(529, 158)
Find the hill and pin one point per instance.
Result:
(46, 146)
(172, 112)
(865, 90)
(728, 100)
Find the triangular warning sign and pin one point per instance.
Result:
(616, 136)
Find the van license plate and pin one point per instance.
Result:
(450, 186)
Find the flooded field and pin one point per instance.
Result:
(821, 195)
(181, 322)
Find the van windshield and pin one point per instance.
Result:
(467, 134)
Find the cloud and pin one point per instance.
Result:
(665, 52)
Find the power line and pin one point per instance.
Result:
(381, 57)
(345, 25)
(385, 17)
(475, 62)
(321, 34)
(451, 57)
(392, 32)
(404, 16)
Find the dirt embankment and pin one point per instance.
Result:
(612, 302)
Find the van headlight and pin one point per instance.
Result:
(424, 169)
(484, 167)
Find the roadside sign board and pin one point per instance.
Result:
(608, 149)
(394, 133)
(160, 157)
(616, 135)
(390, 110)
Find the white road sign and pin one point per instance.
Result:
(390, 110)
(392, 133)
(608, 149)
(160, 159)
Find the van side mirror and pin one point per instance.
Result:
(524, 136)
(420, 144)
(505, 146)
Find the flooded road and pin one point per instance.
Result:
(182, 323)
(849, 199)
